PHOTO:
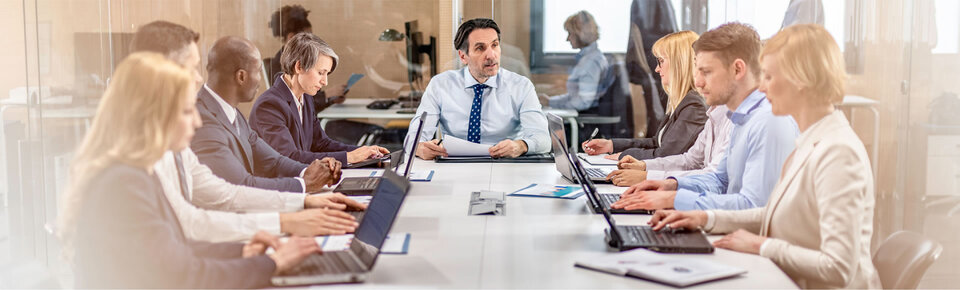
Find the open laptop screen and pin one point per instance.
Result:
(379, 217)
(416, 142)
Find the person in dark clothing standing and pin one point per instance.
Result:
(650, 20)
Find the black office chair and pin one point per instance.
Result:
(613, 115)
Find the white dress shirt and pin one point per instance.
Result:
(231, 113)
(510, 109)
(213, 208)
(704, 156)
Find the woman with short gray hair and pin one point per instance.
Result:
(584, 85)
(284, 115)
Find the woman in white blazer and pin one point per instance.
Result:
(818, 222)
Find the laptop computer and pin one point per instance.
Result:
(395, 158)
(366, 185)
(352, 265)
(631, 237)
(603, 200)
(557, 134)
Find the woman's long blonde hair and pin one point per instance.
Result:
(677, 47)
(132, 126)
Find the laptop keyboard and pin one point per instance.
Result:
(357, 214)
(328, 263)
(594, 172)
(369, 183)
(647, 236)
(609, 199)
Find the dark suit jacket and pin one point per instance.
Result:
(240, 157)
(682, 128)
(275, 118)
(129, 237)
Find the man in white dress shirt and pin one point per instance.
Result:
(482, 102)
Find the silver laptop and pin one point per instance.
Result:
(557, 135)
(352, 265)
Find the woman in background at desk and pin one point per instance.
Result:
(818, 223)
(584, 82)
(117, 228)
(686, 110)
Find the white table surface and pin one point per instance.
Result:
(533, 246)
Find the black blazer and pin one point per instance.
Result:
(240, 157)
(682, 128)
(275, 118)
(129, 237)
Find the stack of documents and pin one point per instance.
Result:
(676, 270)
(597, 160)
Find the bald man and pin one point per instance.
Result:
(225, 141)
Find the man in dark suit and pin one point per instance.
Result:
(228, 145)
(284, 114)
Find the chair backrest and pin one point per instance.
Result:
(903, 258)
(614, 101)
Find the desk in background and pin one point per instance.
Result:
(533, 246)
(357, 109)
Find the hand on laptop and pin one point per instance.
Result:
(317, 222)
(628, 162)
(667, 184)
(259, 244)
(431, 149)
(508, 149)
(597, 146)
(627, 177)
(645, 200)
(289, 254)
(689, 220)
(741, 241)
(320, 173)
(333, 201)
(366, 152)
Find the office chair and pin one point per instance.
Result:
(613, 115)
(903, 258)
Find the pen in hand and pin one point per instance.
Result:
(594, 134)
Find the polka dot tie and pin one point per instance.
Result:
(473, 132)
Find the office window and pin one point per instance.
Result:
(947, 26)
(613, 22)
(766, 16)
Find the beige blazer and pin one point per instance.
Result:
(819, 219)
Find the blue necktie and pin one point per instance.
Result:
(473, 132)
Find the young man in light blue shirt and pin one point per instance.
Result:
(728, 66)
(481, 103)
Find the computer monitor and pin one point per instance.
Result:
(415, 49)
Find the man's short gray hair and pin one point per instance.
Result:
(305, 48)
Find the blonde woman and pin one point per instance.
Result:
(818, 221)
(686, 111)
(117, 228)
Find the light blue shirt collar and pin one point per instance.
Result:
(469, 80)
(586, 50)
(749, 104)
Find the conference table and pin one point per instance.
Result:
(357, 109)
(534, 245)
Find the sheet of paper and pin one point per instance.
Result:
(459, 147)
(396, 243)
(425, 175)
(597, 159)
(488, 194)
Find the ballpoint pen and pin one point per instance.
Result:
(594, 134)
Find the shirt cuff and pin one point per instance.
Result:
(764, 246)
(293, 202)
(656, 175)
(269, 222)
(711, 221)
(685, 200)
